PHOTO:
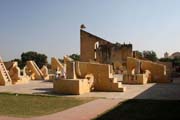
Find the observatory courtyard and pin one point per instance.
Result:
(109, 78)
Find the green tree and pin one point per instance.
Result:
(40, 59)
(18, 61)
(61, 60)
(166, 60)
(176, 62)
(75, 57)
(150, 55)
(137, 54)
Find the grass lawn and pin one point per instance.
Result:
(34, 105)
(144, 110)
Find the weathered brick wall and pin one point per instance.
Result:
(158, 71)
(87, 42)
(106, 53)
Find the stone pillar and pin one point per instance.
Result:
(70, 70)
(138, 67)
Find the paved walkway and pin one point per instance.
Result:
(32, 87)
(92, 109)
(147, 91)
(168, 91)
(83, 112)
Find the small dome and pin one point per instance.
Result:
(175, 54)
(82, 26)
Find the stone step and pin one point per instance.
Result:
(116, 85)
(5, 74)
(122, 89)
(114, 80)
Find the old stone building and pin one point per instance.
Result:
(94, 48)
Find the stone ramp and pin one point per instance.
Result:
(56, 64)
(5, 79)
(31, 65)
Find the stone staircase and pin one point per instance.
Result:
(117, 86)
(37, 68)
(5, 79)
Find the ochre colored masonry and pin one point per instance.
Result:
(121, 56)
(94, 48)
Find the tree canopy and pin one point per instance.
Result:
(75, 57)
(176, 62)
(150, 55)
(40, 59)
(166, 60)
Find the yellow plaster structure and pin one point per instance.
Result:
(5, 78)
(56, 67)
(44, 71)
(56, 64)
(82, 77)
(70, 68)
(33, 71)
(15, 73)
(158, 72)
(103, 76)
(143, 71)
(169, 67)
(94, 48)
(72, 86)
(135, 79)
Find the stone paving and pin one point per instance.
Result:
(168, 91)
(107, 100)
(147, 91)
(33, 87)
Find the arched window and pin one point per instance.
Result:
(96, 45)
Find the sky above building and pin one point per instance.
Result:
(52, 27)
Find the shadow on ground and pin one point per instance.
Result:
(161, 91)
(138, 109)
(161, 101)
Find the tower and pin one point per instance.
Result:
(166, 55)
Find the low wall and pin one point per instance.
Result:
(71, 86)
(135, 79)
(158, 71)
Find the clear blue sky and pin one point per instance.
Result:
(52, 26)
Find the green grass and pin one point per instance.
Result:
(144, 110)
(34, 105)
